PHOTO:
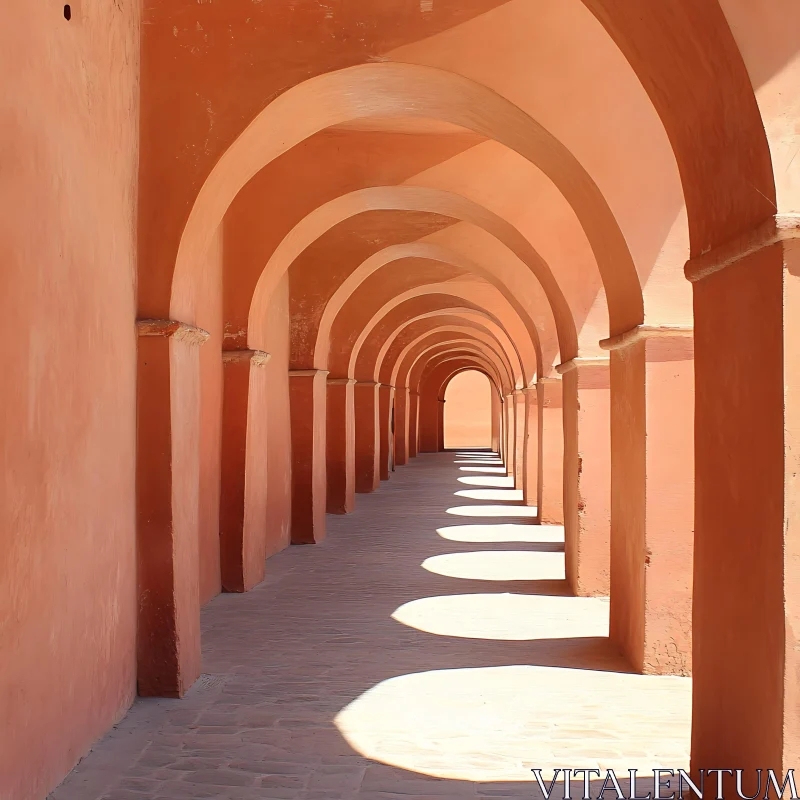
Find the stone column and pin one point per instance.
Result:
(587, 474)
(341, 446)
(386, 404)
(652, 496)
(413, 424)
(520, 421)
(551, 452)
(368, 446)
(746, 695)
(510, 408)
(167, 485)
(530, 469)
(401, 425)
(440, 426)
(429, 417)
(243, 486)
(497, 407)
(308, 406)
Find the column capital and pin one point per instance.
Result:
(549, 379)
(780, 228)
(641, 332)
(341, 381)
(367, 383)
(306, 373)
(582, 361)
(256, 358)
(170, 328)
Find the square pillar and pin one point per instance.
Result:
(308, 411)
(520, 419)
(530, 471)
(167, 506)
(497, 426)
(413, 424)
(551, 452)
(243, 487)
(386, 423)
(746, 616)
(440, 425)
(652, 497)
(587, 475)
(510, 408)
(341, 446)
(430, 416)
(368, 446)
(401, 425)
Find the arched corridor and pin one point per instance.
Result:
(467, 660)
(250, 250)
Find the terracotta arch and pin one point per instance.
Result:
(423, 368)
(395, 364)
(393, 314)
(468, 342)
(389, 320)
(425, 250)
(410, 198)
(458, 371)
(434, 322)
(349, 336)
(392, 89)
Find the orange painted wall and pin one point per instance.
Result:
(69, 149)
(468, 411)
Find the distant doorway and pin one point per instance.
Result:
(468, 411)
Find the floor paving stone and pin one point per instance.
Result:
(428, 648)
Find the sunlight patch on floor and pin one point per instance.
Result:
(507, 617)
(503, 482)
(483, 469)
(497, 723)
(498, 565)
(500, 495)
(504, 532)
(493, 511)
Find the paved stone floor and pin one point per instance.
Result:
(427, 649)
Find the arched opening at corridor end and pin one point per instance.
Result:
(468, 411)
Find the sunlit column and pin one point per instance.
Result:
(587, 474)
(308, 404)
(510, 408)
(368, 446)
(386, 422)
(520, 421)
(402, 425)
(746, 695)
(530, 470)
(167, 486)
(496, 421)
(652, 496)
(243, 477)
(551, 452)
(413, 424)
(341, 446)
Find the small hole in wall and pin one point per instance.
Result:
(67, 13)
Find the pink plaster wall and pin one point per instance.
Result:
(68, 145)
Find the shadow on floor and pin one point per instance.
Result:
(409, 655)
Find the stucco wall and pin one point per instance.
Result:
(69, 149)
